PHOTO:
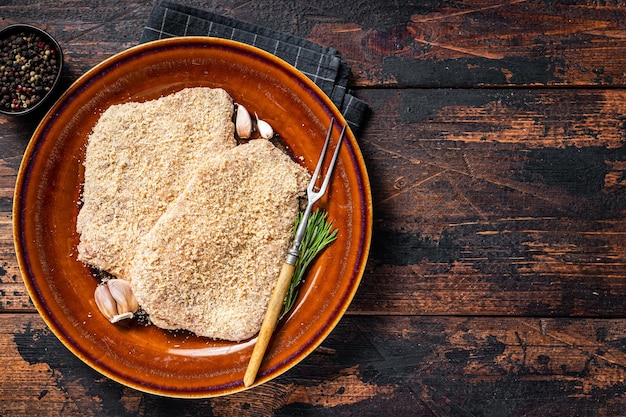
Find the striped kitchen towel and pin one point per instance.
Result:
(321, 64)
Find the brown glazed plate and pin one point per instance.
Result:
(47, 198)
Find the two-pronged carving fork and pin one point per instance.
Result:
(286, 273)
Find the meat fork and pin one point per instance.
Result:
(286, 273)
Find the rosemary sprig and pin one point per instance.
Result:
(318, 235)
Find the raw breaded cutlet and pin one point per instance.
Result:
(210, 262)
(139, 157)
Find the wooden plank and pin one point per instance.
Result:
(486, 202)
(496, 202)
(469, 43)
(413, 44)
(14, 134)
(369, 366)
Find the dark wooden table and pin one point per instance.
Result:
(496, 284)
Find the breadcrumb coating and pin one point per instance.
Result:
(210, 262)
(198, 225)
(139, 157)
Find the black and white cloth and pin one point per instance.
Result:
(322, 64)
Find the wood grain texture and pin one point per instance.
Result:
(464, 43)
(427, 366)
(496, 284)
(498, 202)
(486, 202)
(432, 43)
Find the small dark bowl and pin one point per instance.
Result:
(25, 96)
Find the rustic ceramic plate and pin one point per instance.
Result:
(47, 199)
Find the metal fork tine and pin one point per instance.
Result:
(320, 162)
(331, 167)
(286, 272)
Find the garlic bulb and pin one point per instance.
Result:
(264, 128)
(115, 300)
(243, 122)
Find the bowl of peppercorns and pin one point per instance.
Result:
(30, 68)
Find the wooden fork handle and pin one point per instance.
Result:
(269, 323)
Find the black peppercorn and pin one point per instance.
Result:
(28, 70)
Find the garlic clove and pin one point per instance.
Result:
(264, 128)
(105, 301)
(123, 295)
(243, 122)
(115, 300)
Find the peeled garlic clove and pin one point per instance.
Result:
(123, 295)
(105, 301)
(264, 128)
(243, 122)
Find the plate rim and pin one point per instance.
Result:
(18, 214)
